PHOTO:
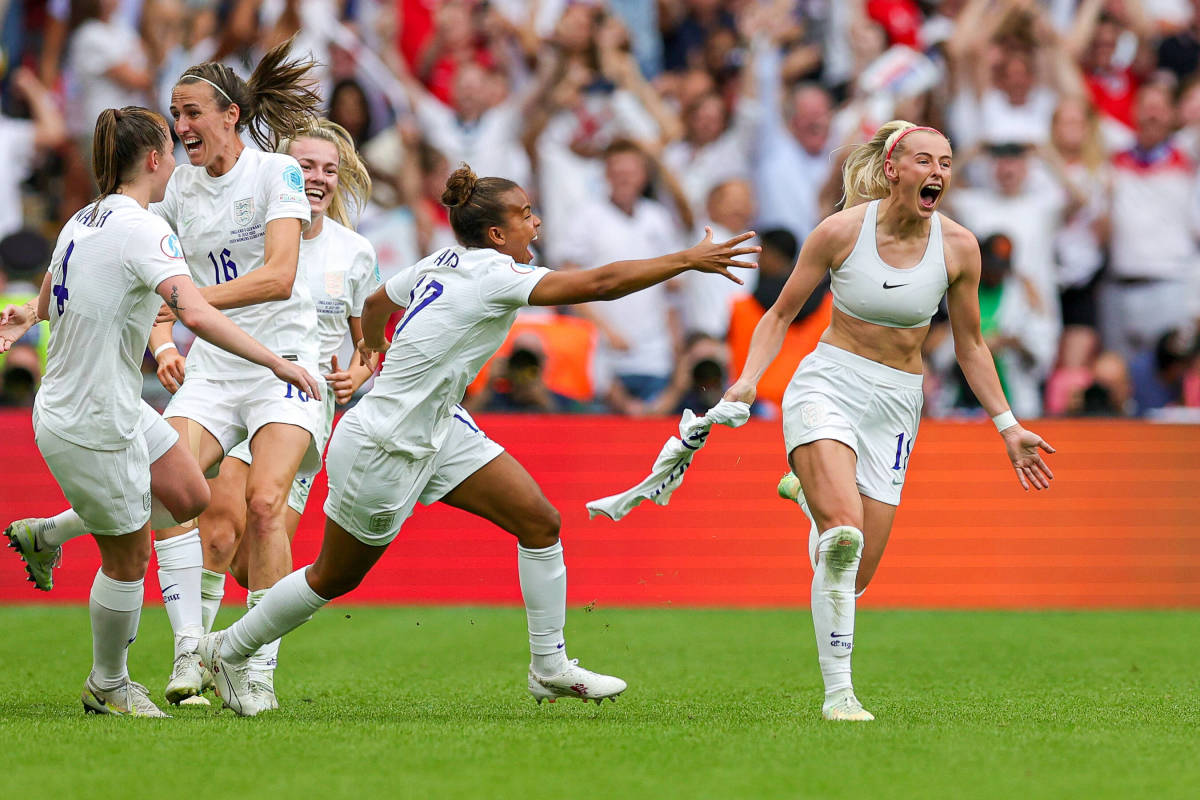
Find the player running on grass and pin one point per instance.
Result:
(850, 414)
(407, 440)
(115, 263)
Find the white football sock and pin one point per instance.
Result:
(544, 587)
(180, 562)
(286, 606)
(58, 530)
(212, 591)
(266, 657)
(840, 551)
(115, 608)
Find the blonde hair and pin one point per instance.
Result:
(354, 181)
(862, 174)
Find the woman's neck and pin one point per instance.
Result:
(897, 220)
(315, 227)
(226, 159)
(137, 190)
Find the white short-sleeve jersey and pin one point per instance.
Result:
(342, 271)
(105, 270)
(222, 224)
(460, 304)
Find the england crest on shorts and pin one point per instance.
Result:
(243, 211)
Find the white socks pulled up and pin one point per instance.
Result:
(840, 550)
(115, 608)
(544, 587)
(180, 562)
(284, 607)
(212, 590)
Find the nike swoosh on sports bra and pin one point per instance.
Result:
(867, 288)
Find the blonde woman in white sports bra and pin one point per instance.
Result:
(851, 412)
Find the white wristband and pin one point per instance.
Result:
(1004, 420)
(162, 347)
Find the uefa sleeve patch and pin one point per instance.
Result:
(293, 179)
(170, 246)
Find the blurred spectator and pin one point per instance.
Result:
(1015, 205)
(1077, 160)
(1158, 374)
(520, 385)
(349, 107)
(706, 300)
(23, 142)
(1017, 329)
(639, 333)
(23, 259)
(1151, 283)
(1110, 41)
(775, 264)
(700, 378)
(687, 26)
(1009, 70)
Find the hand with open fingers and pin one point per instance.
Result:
(710, 256)
(341, 382)
(171, 369)
(14, 322)
(741, 392)
(298, 376)
(165, 314)
(1022, 446)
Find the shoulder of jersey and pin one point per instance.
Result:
(357, 241)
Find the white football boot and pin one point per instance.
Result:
(128, 700)
(186, 680)
(575, 681)
(230, 681)
(262, 687)
(843, 706)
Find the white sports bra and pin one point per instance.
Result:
(867, 288)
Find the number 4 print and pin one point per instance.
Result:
(59, 290)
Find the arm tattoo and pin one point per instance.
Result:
(173, 303)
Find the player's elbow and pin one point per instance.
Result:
(279, 289)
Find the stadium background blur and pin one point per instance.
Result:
(1076, 128)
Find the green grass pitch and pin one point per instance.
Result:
(430, 703)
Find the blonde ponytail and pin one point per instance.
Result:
(863, 177)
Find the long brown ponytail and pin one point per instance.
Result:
(278, 100)
(122, 137)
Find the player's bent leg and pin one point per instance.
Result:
(342, 564)
(115, 608)
(178, 486)
(826, 469)
(504, 493)
(877, 529)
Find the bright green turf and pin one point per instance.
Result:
(430, 703)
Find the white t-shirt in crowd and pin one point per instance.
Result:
(342, 272)
(222, 224)
(105, 271)
(95, 48)
(602, 233)
(491, 144)
(460, 305)
(992, 118)
(699, 169)
(16, 154)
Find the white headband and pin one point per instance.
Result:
(210, 83)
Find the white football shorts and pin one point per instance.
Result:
(466, 450)
(109, 489)
(234, 410)
(871, 408)
(302, 485)
(158, 433)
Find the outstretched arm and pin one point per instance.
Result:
(979, 368)
(626, 277)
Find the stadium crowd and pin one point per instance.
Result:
(1075, 123)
